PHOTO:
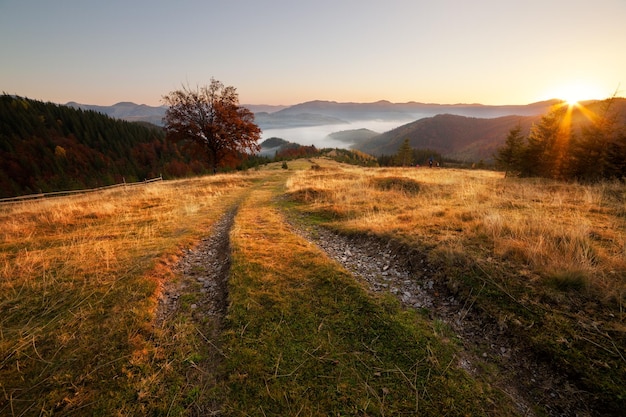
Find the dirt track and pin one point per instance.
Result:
(382, 267)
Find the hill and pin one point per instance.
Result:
(453, 136)
(46, 147)
(127, 111)
(471, 138)
(458, 289)
(353, 136)
(133, 112)
(270, 146)
(385, 110)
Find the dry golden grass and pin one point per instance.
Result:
(79, 282)
(547, 227)
(80, 275)
(543, 259)
(304, 338)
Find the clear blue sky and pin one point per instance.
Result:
(287, 52)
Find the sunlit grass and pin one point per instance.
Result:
(546, 226)
(79, 282)
(80, 277)
(304, 338)
(548, 252)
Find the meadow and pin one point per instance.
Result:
(81, 278)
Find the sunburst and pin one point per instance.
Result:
(573, 93)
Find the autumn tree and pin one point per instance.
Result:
(211, 120)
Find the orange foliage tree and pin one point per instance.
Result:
(211, 121)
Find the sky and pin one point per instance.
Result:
(284, 52)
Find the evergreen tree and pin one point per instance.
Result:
(48, 147)
(404, 156)
(590, 152)
(546, 154)
(510, 156)
(616, 158)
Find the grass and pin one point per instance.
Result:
(79, 281)
(303, 338)
(80, 277)
(550, 256)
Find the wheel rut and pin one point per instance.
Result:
(200, 296)
(205, 269)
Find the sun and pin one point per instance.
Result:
(574, 93)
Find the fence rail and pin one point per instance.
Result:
(63, 193)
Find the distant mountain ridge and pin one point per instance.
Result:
(385, 110)
(473, 138)
(318, 112)
(467, 132)
(453, 136)
(133, 112)
(127, 111)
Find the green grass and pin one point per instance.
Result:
(304, 338)
(542, 261)
(80, 278)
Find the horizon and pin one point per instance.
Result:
(278, 53)
(324, 101)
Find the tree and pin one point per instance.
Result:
(404, 157)
(509, 156)
(594, 154)
(547, 152)
(212, 122)
(616, 158)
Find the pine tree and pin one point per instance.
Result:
(590, 152)
(404, 156)
(547, 152)
(616, 158)
(509, 157)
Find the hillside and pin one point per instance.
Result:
(46, 147)
(453, 136)
(460, 292)
(470, 138)
(353, 136)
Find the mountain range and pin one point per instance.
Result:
(467, 132)
(316, 113)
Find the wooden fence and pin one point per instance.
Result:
(64, 193)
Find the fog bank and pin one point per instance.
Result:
(317, 135)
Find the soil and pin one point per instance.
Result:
(203, 269)
(385, 266)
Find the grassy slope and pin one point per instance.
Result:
(545, 261)
(80, 277)
(304, 338)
